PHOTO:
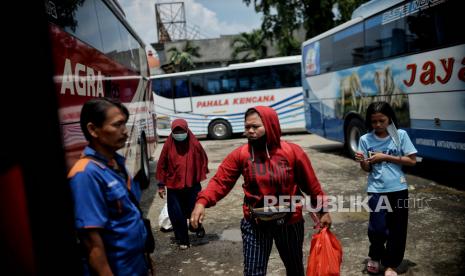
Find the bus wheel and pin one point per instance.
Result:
(143, 175)
(219, 129)
(354, 131)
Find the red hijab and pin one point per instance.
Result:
(182, 163)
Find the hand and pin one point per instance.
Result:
(359, 157)
(197, 215)
(162, 191)
(325, 220)
(377, 157)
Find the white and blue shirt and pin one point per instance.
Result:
(386, 177)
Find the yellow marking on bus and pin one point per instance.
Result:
(219, 111)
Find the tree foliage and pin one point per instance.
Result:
(183, 60)
(251, 44)
(282, 17)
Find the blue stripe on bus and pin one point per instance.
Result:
(287, 99)
(452, 125)
(437, 144)
(291, 103)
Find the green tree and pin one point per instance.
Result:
(183, 60)
(252, 44)
(282, 17)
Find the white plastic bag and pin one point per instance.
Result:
(164, 220)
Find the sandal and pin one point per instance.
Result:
(373, 267)
(183, 246)
(390, 272)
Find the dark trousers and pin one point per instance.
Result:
(180, 206)
(258, 241)
(387, 230)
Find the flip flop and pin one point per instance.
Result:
(373, 267)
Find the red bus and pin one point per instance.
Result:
(96, 53)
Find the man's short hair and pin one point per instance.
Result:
(95, 111)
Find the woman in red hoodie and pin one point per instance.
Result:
(183, 163)
(270, 167)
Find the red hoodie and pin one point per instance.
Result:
(264, 173)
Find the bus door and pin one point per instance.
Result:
(316, 117)
(182, 97)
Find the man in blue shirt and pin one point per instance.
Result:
(107, 218)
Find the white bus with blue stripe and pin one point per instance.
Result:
(407, 53)
(213, 101)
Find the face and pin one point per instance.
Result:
(254, 128)
(113, 132)
(379, 122)
(179, 134)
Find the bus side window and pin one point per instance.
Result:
(70, 13)
(287, 75)
(162, 87)
(197, 87)
(349, 45)
(326, 54)
(384, 40)
(181, 88)
(212, 83)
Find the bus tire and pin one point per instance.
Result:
(219, 130)
(355, 129)
(143, 175)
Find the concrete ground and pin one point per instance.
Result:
(436, 233)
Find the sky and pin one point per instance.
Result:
(211, 18)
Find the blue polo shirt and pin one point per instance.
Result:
(101, 201)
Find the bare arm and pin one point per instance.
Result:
(96, 251)
(409, 160)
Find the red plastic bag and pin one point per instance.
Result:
(325, 256)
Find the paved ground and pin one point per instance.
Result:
(436, 234)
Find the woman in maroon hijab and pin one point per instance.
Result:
(183, 163)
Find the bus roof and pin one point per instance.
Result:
(257, 63)
(333, 30)
(363, 11)
(373, 7)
